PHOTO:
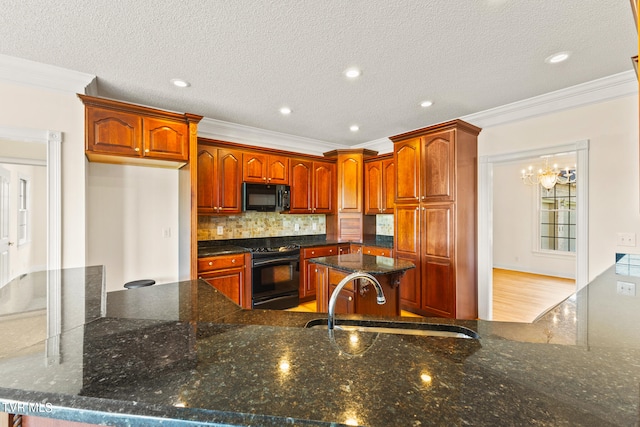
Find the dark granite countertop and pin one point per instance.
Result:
(183, 354)
(223, 247)
(371, 264)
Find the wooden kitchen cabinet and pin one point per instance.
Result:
(377, 251)
(435, 218)
(379, 182)
(219, 180)
(308, 286)
(312, 187)
(265, 168)
(227, 273)
(122, 133)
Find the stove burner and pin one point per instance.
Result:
(285, 248)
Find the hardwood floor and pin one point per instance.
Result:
(522, 297)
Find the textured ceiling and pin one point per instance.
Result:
(246, 59)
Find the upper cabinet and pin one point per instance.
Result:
(406, 157)
(219, 180)
(265, 168)
(117, 132)
(312, 186)
(379, 183)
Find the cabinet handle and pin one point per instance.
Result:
(330, 251)
(350, 298)
(146, 151)
(199, 277)
(368, 252)
(316, 270)
(233, 261)
(265, 178)
(210, 262)
(382, 253)
(313, 252)
(136, 149)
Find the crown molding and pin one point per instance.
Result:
(31, 73)
(242, 134)
(599, 90)
(382, 145)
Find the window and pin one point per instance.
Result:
(557, 210)
(23, 211)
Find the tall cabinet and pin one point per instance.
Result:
(435, 218)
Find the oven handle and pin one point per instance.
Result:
(263, 262)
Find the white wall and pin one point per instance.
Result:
(36, 108)
(128, 210)
(514, 226)
(614, 191)
(31, 256)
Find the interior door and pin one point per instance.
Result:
(5, 181)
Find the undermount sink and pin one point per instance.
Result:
(398, 328)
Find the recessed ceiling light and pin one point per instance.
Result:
(352, 73)
(426, 104)
(354, 128)
(557, 57)
(285, 111)
(180, 83)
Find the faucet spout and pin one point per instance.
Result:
(380, 298)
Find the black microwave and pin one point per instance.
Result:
(265, 197)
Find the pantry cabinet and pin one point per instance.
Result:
(219, 180)
(121, 133)
(435, 218)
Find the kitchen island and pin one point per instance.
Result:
(359, 296)
(183, 354)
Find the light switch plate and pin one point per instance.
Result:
(220, 230)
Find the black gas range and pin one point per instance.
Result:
(275, 276)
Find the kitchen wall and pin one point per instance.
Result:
(31, 107)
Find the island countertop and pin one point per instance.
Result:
(183, 354)
(364, 263)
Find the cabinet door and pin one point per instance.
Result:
(373, 201)
(278, 170)
(301, 178)
(207, 171)
(407, 164)
(165, 139)
(310, 284)
(437, 239)
(229, 282)
(254, 167)
(410, 284)
(346, 301)
(350, 184)
(438, 167)
(388, 186)
(324, 175)
(229, 181)
(407, 230)
(437, 251)
(437, 287)
(113, 132)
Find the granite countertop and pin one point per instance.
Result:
(183, 354)
(371, 264)
(232, 246)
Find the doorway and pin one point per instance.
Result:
(486, 216)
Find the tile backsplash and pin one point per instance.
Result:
(384, 225)
(259, 224)
(271, 224)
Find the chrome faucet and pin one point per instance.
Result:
(380, 299)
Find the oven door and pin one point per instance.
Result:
(275, 282)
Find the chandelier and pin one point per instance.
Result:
(549, 176)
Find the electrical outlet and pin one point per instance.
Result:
(626, 288)
(626, 239)
(314, 226)
(220, 230)
(166, 232)
(296, 227)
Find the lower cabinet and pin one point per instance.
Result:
(346, 300)
(227, 273)
(307, 278)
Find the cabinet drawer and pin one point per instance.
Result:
(219, 262)
(320, 251)
(335, 277)
(377, 251)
